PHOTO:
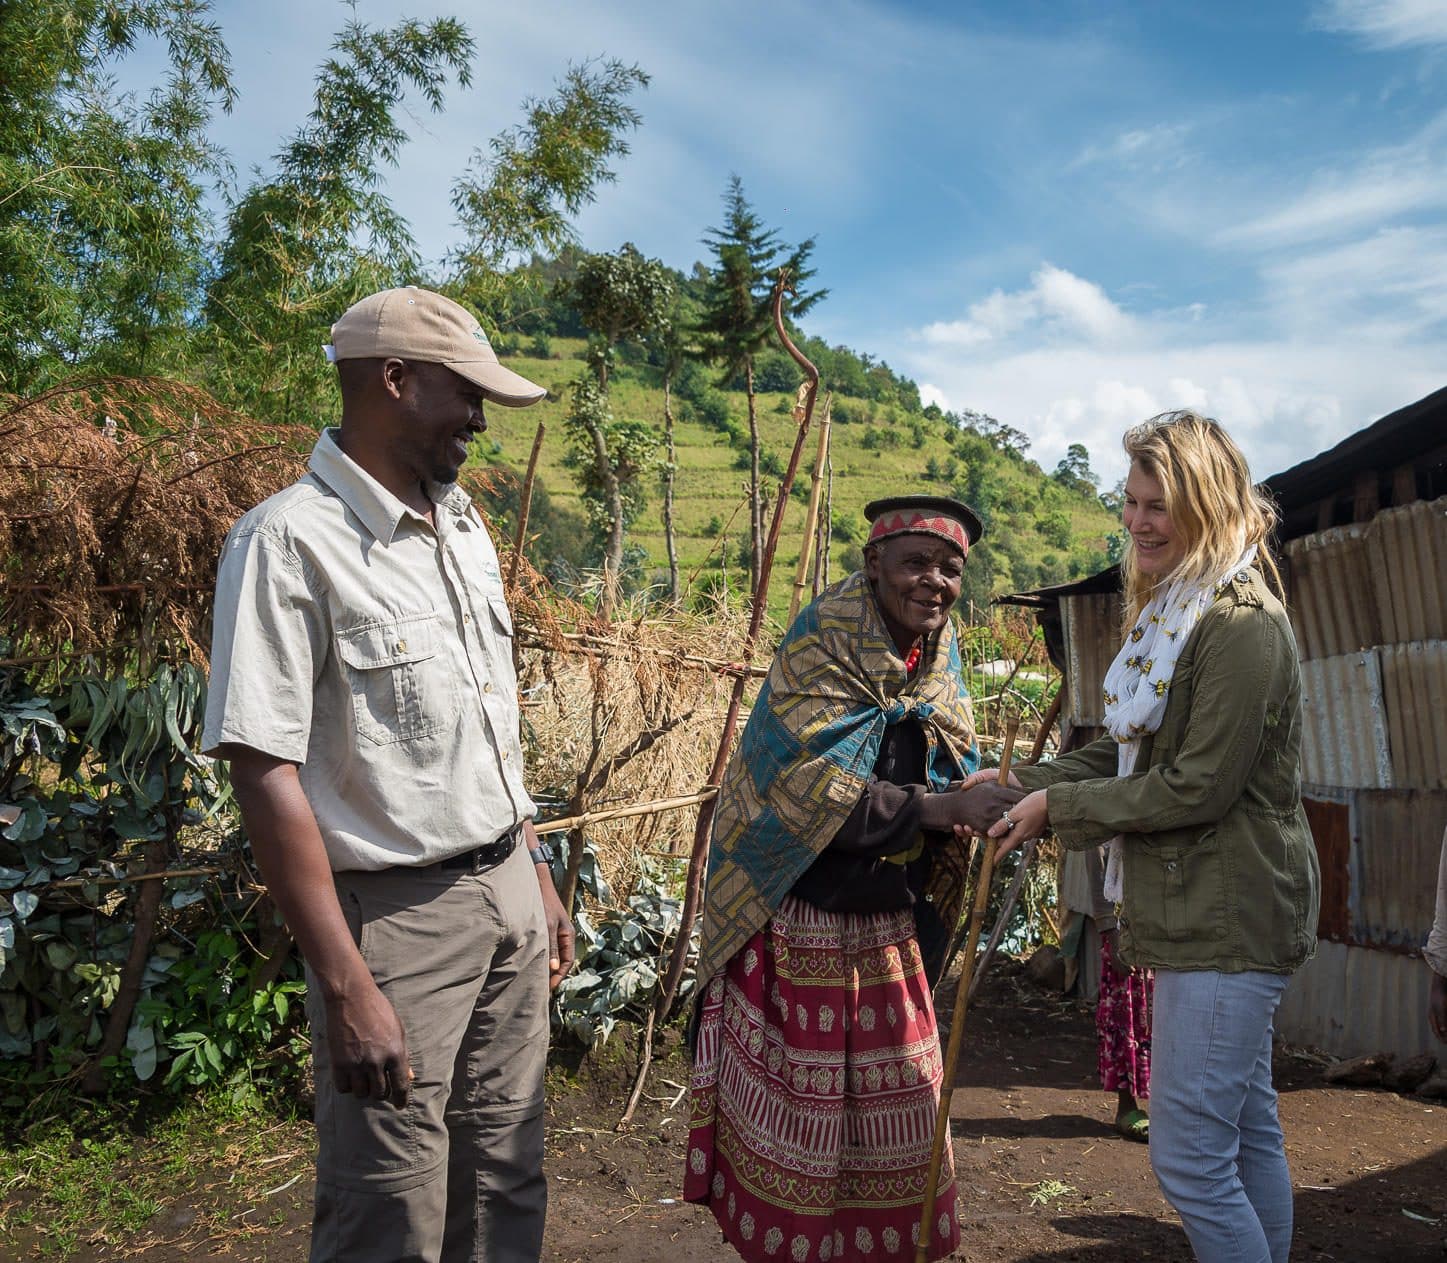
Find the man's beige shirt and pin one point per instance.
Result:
(374, 651)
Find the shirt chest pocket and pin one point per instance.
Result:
(397, 678)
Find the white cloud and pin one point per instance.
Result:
(1389, 287)
(931, 394)
(1387, 23)
(1382, 184)
(1057, 304)
(1156, 148)
(1303, 386)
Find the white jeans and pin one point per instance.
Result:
(1216, 1144)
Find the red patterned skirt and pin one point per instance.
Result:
(1123, 1027)
(815, 1090)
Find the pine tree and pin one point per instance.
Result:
(737, 318)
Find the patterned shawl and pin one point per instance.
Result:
(807, 753)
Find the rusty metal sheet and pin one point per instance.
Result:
(1396, 845)
(1091, 625)
(1344, 722)
(1331, 605)
(1408, 551)
(1350, 1001)
(1414, 688)
(1331, 829)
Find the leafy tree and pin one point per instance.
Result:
(618, 296)
(517, 201)
(104, 229)
(1113, 501)
(304, 244)
(670, 347)
(1055, 527)
(737, 317)
(1074, 472)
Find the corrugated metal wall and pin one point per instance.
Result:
(1352, 1001)
(1408, 549)
(1414, 690)
(1344, 722)
(1396, 841)
(1331, 827)
(1330, 582)
(1091, 625)
(1369, 607)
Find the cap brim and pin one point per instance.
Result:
(499, 384)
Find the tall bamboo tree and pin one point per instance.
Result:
(103, 226)
(305, 243)
(518, 199)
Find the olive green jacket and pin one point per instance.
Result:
(1220, 870)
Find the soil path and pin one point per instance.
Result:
(1043, 1177)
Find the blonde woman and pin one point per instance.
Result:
(1197, 791)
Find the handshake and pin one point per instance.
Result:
(977, 807)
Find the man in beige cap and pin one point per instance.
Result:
(362, 687)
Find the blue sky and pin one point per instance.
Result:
(1068, 214)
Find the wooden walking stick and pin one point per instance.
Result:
(698, 856)
(957, 1017)
(811, 516)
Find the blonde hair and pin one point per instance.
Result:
(1215, 509)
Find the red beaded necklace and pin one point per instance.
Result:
(911, 659)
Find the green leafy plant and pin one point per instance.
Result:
(619, 958)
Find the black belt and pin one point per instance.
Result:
(482, 857)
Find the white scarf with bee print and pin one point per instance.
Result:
(1138, 684)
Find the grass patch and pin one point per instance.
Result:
(879, 450)
(203, 1170)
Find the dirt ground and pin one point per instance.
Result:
(1043, 1177)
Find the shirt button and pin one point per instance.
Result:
(504, 756)
(401, 646)
(487, 688)
(467, 618)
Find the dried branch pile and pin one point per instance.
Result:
(115, 497)
(619, 713)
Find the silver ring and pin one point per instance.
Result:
(1009, 823)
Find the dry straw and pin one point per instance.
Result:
(115, 497)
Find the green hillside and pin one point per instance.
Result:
(1040, 528)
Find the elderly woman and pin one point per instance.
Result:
(1198, 790)
(834, 884)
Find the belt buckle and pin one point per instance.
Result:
(492, 853)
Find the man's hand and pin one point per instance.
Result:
(560, 929)
(365, 1041)
(1437, 1007)
(560, 925)
(368, 1046)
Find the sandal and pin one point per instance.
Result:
(1134, 1125)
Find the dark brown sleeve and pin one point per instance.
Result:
(884, 821)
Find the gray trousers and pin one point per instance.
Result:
(457, 1174)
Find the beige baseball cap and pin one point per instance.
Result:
(416, 324)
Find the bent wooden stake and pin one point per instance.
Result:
(957, 1017)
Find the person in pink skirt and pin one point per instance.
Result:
(835, 881)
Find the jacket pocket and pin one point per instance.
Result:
(1191, 880)
(397, 679)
